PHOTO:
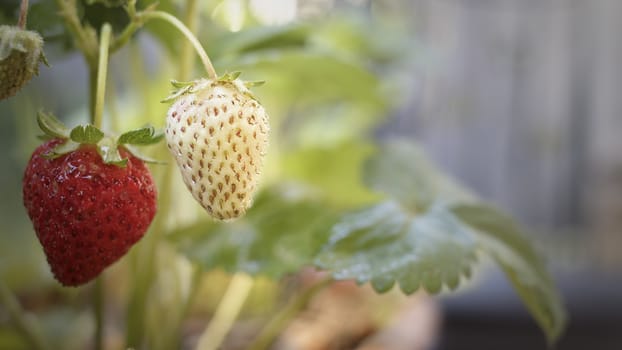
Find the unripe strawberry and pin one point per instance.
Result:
(218, 134)
(20, 53)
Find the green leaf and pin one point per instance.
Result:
(385, 244)
(144, 136)
(500, 237)
(281, 233)
(51, 126)
(335, 171)
(86, 134)
(302, 75)
(261, 38)
(108, 3)
(401, 170)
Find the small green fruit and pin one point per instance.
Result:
(20, 53)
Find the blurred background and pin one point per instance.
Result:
(517, 99)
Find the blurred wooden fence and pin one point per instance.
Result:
(522, 100)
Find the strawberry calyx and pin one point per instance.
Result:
(181, 88)
(87, 134)
(13, 38)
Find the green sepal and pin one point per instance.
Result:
(44, 137)
(62, 149)
(143, 157)
(51, 126)
(250, 84)
(143, 136)
(43, 59)
(109, 152)
(181, 84)
(185, 87)
(229, 76)
(182, 88)
(86, 134)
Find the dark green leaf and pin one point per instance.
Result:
(108, 3)
(51, 126)
(502, 239)
(386, 244)
(86, 134)
(401, 171)
(281, 233)
(144, 136)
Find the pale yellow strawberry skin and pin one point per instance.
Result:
(218, 135)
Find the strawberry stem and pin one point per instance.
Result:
(187, 59)
(102, 73)
(98, 310)
(83, 37)
(24, 324)
(226, 313)
(274, 327)
(23, 14)
(100, 94)
(209, 68)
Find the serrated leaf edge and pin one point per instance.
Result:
(86, 134)
(154, 136)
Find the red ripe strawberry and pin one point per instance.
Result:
(86, 213)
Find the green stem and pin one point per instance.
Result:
(283, 317)
(98, 309)
(146, 275)
(148, 15)
(92, 91)
(226, 313)
(102, 73)
(209, 68)
(186, 305)
(26, 326)
(187, 59)
(137, 306)
(98, 95)
(23, 14)
(125, 35)
(85, 39)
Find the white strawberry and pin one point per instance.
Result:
(218, 134)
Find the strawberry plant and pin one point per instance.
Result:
(259, 198)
